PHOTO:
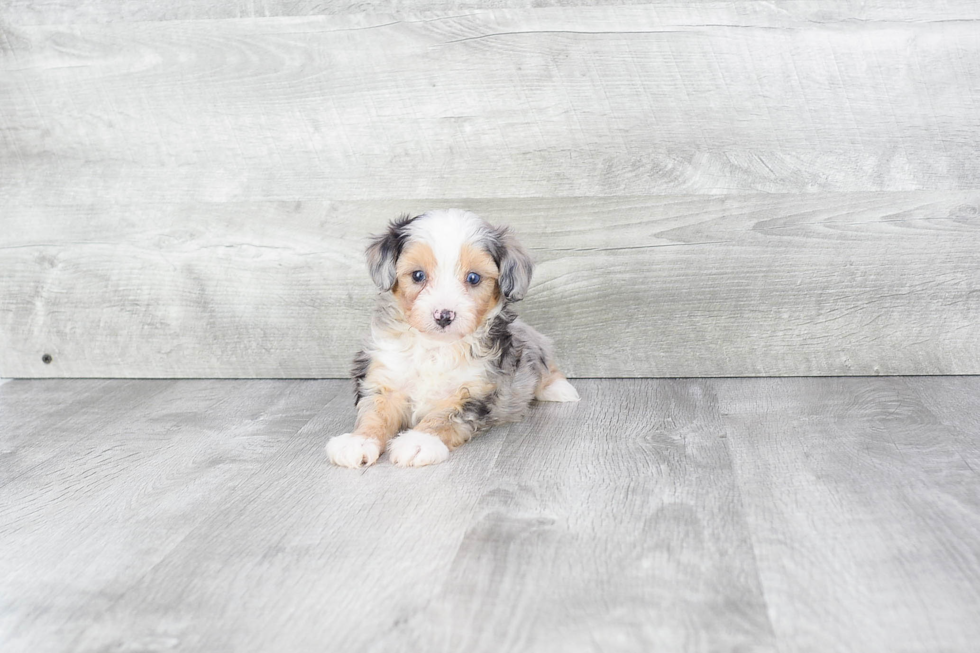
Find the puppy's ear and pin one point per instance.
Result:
(515, 266)
(384, 250)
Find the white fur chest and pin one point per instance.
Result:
(427, 371)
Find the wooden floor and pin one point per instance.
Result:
(834, 514)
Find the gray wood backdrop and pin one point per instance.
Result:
(709, 188)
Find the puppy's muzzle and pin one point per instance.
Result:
(443, 318)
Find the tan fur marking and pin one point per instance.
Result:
(416, 256)
(440, 419)
(381, 415)
(487, 293)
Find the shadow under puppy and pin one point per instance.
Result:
(447, 356)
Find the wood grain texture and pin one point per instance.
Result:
(190, 543)
(668, 515)
(956, 404)
(813, 284)
(81, 528)
(53, 12)
(856, 493)
(576, 101)
(59, 12)
(649, 554)
(711, 188)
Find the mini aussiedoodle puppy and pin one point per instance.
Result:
(447, 356)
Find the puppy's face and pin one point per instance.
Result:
(448, 270)
(446, 296)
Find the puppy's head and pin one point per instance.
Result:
(448, 270)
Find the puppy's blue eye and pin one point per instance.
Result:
(418, 276)
(472, 278)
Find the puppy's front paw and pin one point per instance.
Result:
(349, 450)
(417, 448)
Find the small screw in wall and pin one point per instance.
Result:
(46, 359)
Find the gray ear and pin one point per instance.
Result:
(384, 250)
(515, 266)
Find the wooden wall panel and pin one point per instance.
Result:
(54, 12)
(853, 283)
(710, 188)
(570, 102)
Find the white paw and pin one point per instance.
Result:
(417, 448)
(349, 450)
(559, 390)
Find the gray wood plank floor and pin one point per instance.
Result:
(834, 514)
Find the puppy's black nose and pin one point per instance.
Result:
(444, 318)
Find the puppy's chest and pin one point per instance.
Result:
(429, 375)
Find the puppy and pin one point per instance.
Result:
(447, 356)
